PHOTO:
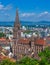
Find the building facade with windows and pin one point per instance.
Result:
(25, 46)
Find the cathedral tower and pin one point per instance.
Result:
(16, 30)
(16, 34)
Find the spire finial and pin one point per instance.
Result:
(17, 17)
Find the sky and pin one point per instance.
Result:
(29, 10)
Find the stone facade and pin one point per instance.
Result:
(16, 30)
(25, 46)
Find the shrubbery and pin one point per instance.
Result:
(2, 35)
(45, 60)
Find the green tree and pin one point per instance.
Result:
(27, 61)
(45, 57)
(2, 35)
(7, 62)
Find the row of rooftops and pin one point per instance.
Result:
(2, 57)
(4, 39)
(39, 41)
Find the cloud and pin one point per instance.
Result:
(43, 13)
(6, 14)
(8, 7)
(35, 16)
(44, 16)
(27, 14)
(3, 7)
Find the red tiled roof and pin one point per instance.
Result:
(24, 40)
(40, 42)
(2, 39)
(6, 57)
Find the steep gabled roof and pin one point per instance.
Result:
(24, 40)
(40, 41)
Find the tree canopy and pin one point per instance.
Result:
(7, 62)
(44, 60)
(2, 35)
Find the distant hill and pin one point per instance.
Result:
(30, 23)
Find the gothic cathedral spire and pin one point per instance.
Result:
(17, 19)
(16, 30)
